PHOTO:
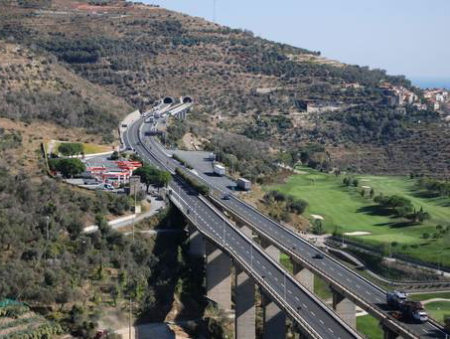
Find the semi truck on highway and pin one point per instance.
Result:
(219, 169)
(244, 184)
(405, 308)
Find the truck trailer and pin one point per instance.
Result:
(219, 169)
(408, 309)
(244, 184)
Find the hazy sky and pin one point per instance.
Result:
(408, 37)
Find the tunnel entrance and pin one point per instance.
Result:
(168, 100)
(187, 100)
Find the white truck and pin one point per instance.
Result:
(219, 169)
(244, 184)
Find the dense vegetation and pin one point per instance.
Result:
(434, 187)
(150, 175)
(195, 183)
(246, 89)
(252, 159)
(67, 167)
(70, 148)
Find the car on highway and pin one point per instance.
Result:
(318, 256)
(226, 196)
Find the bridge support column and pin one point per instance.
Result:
(303, 275)
(245, 311)
(196, 242)
(218, 276)
(245, 229)
(388, 333)
(345, 308)
(274, 320)
(271, 249)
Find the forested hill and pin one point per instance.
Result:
(248, 91)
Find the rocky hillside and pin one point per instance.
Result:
(288, 101)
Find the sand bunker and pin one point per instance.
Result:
(357, 233)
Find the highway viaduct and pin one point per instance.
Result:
(219, 263)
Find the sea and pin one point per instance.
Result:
(431, 83)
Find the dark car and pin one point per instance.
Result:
(318, 256)
(226, 196)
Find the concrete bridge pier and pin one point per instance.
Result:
(196, 242)
(218, 276)
(345, 308)
(274, 320)
(270, 249)
(388, 333)
(303, 275)
(245, 311)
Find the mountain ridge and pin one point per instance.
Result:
(244, 86)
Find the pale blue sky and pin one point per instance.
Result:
(408, 37)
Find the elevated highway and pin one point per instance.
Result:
(314, 318)
(347, 283)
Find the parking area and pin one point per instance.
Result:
(203, 164)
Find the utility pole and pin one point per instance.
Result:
(47, 222)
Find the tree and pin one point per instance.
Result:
(152, 176)
(147, 174)
(114, 156)
(67, 167)
(69, 148)
(317, 227)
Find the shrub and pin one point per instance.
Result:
(200, 187)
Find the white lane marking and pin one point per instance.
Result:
(329, 329)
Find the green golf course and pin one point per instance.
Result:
(345, 211)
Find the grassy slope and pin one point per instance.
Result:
(369, 326)
(438, 310)
(427, 296)
(88, 148)
(345, 210)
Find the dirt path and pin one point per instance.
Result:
(424, 302)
